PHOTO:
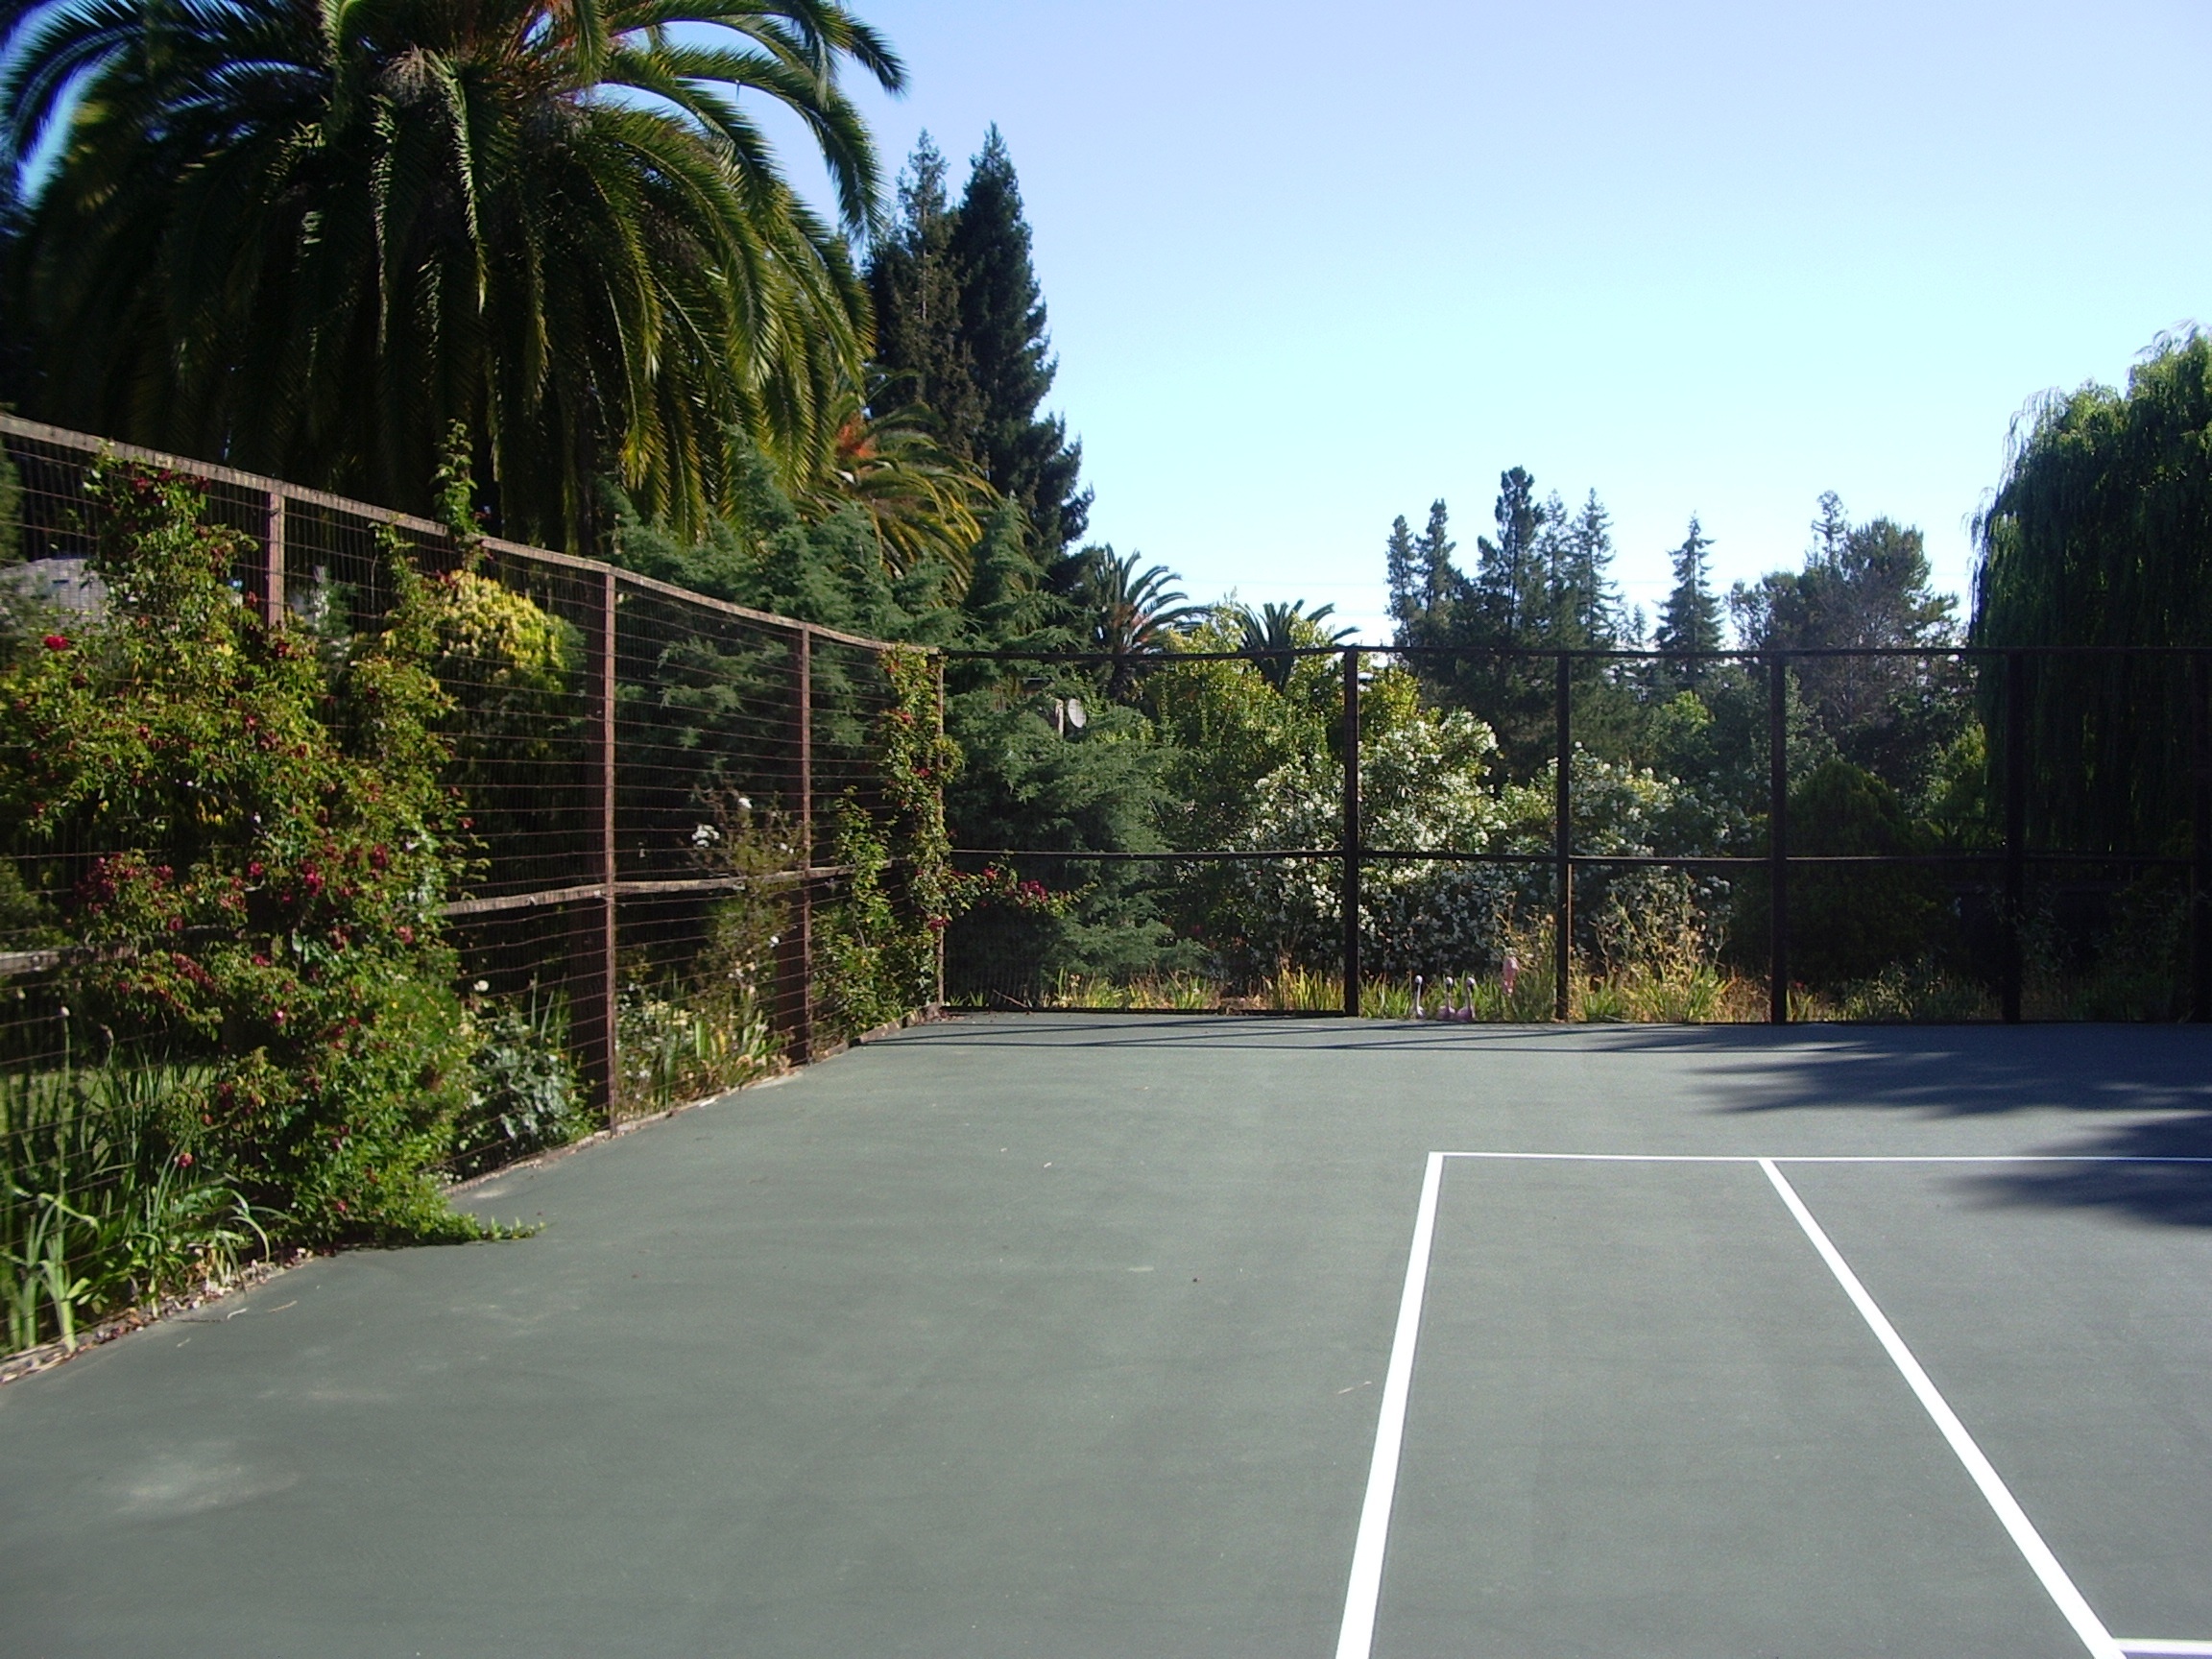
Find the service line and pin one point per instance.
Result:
(2071, 1605)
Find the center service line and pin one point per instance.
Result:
(1357, 1639)
(2029, 1542)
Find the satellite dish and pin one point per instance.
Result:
(1075, 715)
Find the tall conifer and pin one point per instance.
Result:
(1003, 320)
(1691, 619)
(914, 279)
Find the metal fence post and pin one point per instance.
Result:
(1777, 840)
(269, 579)
(1352, 835)
(595, 990)
(795, 952)
(2015, 829)
(1563, 847)
(937, 1006)
(2201, 842)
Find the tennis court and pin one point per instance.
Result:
(1119, 1335)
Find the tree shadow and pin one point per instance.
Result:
(2138, 1091)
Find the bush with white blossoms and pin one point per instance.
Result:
(1424, 785)
(1421, 782)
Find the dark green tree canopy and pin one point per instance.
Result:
(2101, 534)
(1690, 619)
(304, 239)
(961, 328)
(1866, 585)
(914, 279)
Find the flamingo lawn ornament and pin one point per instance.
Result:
(1466, 1014)
(1509, 971)
(1450, 996)
(1417, 1013)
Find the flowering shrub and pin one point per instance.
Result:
(251, 850)
(1422, 787)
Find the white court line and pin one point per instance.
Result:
(1829, 1158)
(2071, 1605)
(1357, 1639)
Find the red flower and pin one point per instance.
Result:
(183, 1160)
(57, 641)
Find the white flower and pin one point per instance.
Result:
(482, 985)
(706, 835)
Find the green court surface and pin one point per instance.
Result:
(1071, 1335)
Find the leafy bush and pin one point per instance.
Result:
(525, 1093)
(252, 855)
(1849, 924)
(101, 1207)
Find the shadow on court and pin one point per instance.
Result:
(1065, 1335)
(2100, 1073)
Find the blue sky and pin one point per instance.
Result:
(1309, 268)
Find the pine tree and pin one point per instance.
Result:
(1508, 574)
(1408, 599)
(914, 280)
(1002, 326)
(1587, 609)
(1691, 619)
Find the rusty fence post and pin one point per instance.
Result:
(1563, 844)
(795, 948)
(269, 580)
(594, 997)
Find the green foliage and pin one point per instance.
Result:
(2101, 534)
(1542, 582)
(1689, 621)
(1866, 587)
(11, 512)
(1849, 924)
(306, 239)
(525, 1093)
(914, 278)
(254, 881)
(102, 1206)
(961, 331)
(878, 943)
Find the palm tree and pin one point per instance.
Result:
(304, 236)
(1129, 612)
(924, 503)
(1274, 631)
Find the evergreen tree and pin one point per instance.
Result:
(1586, 609)
(1867, 586)
(914, 279)
(1690, 619)
(1507, 573)
(1408, 599)
(1003, 324)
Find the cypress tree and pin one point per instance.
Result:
(1509, 570)
(1002, 326)
(914, 279)
(1691, 619)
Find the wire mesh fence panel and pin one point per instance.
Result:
(1868, 834)
(638, 794)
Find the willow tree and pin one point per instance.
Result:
(303, 236)
(2101, 534)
